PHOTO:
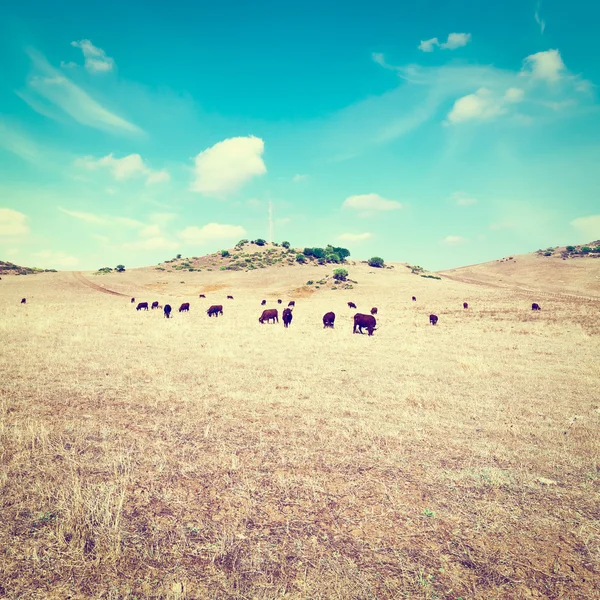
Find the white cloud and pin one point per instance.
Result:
(17, 143)
(538, 18)
(162, 218)
(298, 177)
(547, 65)
(588, 226)
(104, 220)
(227, 165)
(52, 85)
(454, 240)
(151, 231)
(502, 225)
(514, 95)
(100, 238)
(463, 199)
(96, 60)
(483, 105)
(425, 45)
(456, 40)
(151, 243)
(13, 223)
(67, 65)
(124, 168)
(370, 202)
(47, 259)
(355, 237)
(211, 232)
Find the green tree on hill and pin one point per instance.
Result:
(376, 261)
(120, 268)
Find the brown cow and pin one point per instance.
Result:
(465, 305)
(328, 320)
(268, 314)
(433, 319)
(351, 305)
(279, 301)
(132, 300)
(229, 297)
(535, 306)
(185, 307)
(292, 303)
(201, 296)
(263, 302)
(167, 311)
(23, 300)
(374, 310)
(142, 306)
(414, 298)
(154, 304)
(287, 317)
(216, 310)
(361, 321)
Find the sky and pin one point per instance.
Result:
(430, 132)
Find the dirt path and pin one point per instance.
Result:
(79, 277)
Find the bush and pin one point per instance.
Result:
(597, 249)
(333, 258)
(286, 245)
(431, 277)
(120, 268)
(570, 248)
(309, 282)
(585, 250)
(104, 270)
(242, 243)
(376, 261)
(300, 258)
(225, 253)
(547, 253)
(340, 274)
(179, 256)
(260, 242)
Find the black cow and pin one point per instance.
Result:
(292, 303)
(132, 300)
(23, 300)
(535, 306)
(328, 320)
(154, 304)
(414, 298)
(351, 305)
(268, 314)
(433, 319)
(142, 306)
(465, 305)
(263, 302)
(279, 301)
(167, 311)
(202, 296)
(229, 297)
(185, 307)
(374, 310)
(361, 321)
(216, 310)
(287, 317)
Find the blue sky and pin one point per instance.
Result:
(435, 133)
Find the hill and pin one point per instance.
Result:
(8, 268)
(566, 270)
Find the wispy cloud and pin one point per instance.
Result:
(370, 202)
(55, 88)
(454, 240)
(454, 41)
(13, 223)
(48, 259)
(18, 143)
(297, 178)
(355, 237)
(103, 220)
(96, 60)
(211, 232)
(483, 105)
(124, 168)
(426, 45)
(463, 199)
(588, 226)
(538, 18)
(151, 243)
(227, 165)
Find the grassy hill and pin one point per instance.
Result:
(8, 268)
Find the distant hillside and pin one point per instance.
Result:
(8, 268)
(573, 270)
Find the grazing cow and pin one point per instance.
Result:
(132, 300)
(292, 303)
(535, 306)
(167, 311)
(287, 317)
(268, 314)
(374, 310)
(216, 310)
(154, 304)
(465, 305)
(433, 319)
(263, 302)
(23, 300)
(351, 305)
(328, 320)
(185, 307)
(414, 298)
(142, 306)
(202, 296)
(361, 321)
(279, 301)
(229, 297)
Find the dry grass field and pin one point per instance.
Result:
(198, 458)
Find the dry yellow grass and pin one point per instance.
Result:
(142, 457)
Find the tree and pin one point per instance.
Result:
(376, 261)
(260, 242)
(286, 245)
(179, 256)
(333, 258)
(105, 270)
(340, 274)
(120, 268)
(343, 253)
(571, 248)
(585, 250)
(597, 249)
(300, 258)
(242, 243)
(224, 253)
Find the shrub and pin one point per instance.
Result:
(333, 258)
(309, 282)
(120, 268)
(597, 249)
(585, 250)
(547, 253)
(376, 261)
(104, 270)
(225, 253)
(340, 274)
(300, 258)
(431, 277)
(286, 245)
(179, 256)
(260, 242)
(242, 243)
(570, 248)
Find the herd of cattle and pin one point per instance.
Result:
(271, 315)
